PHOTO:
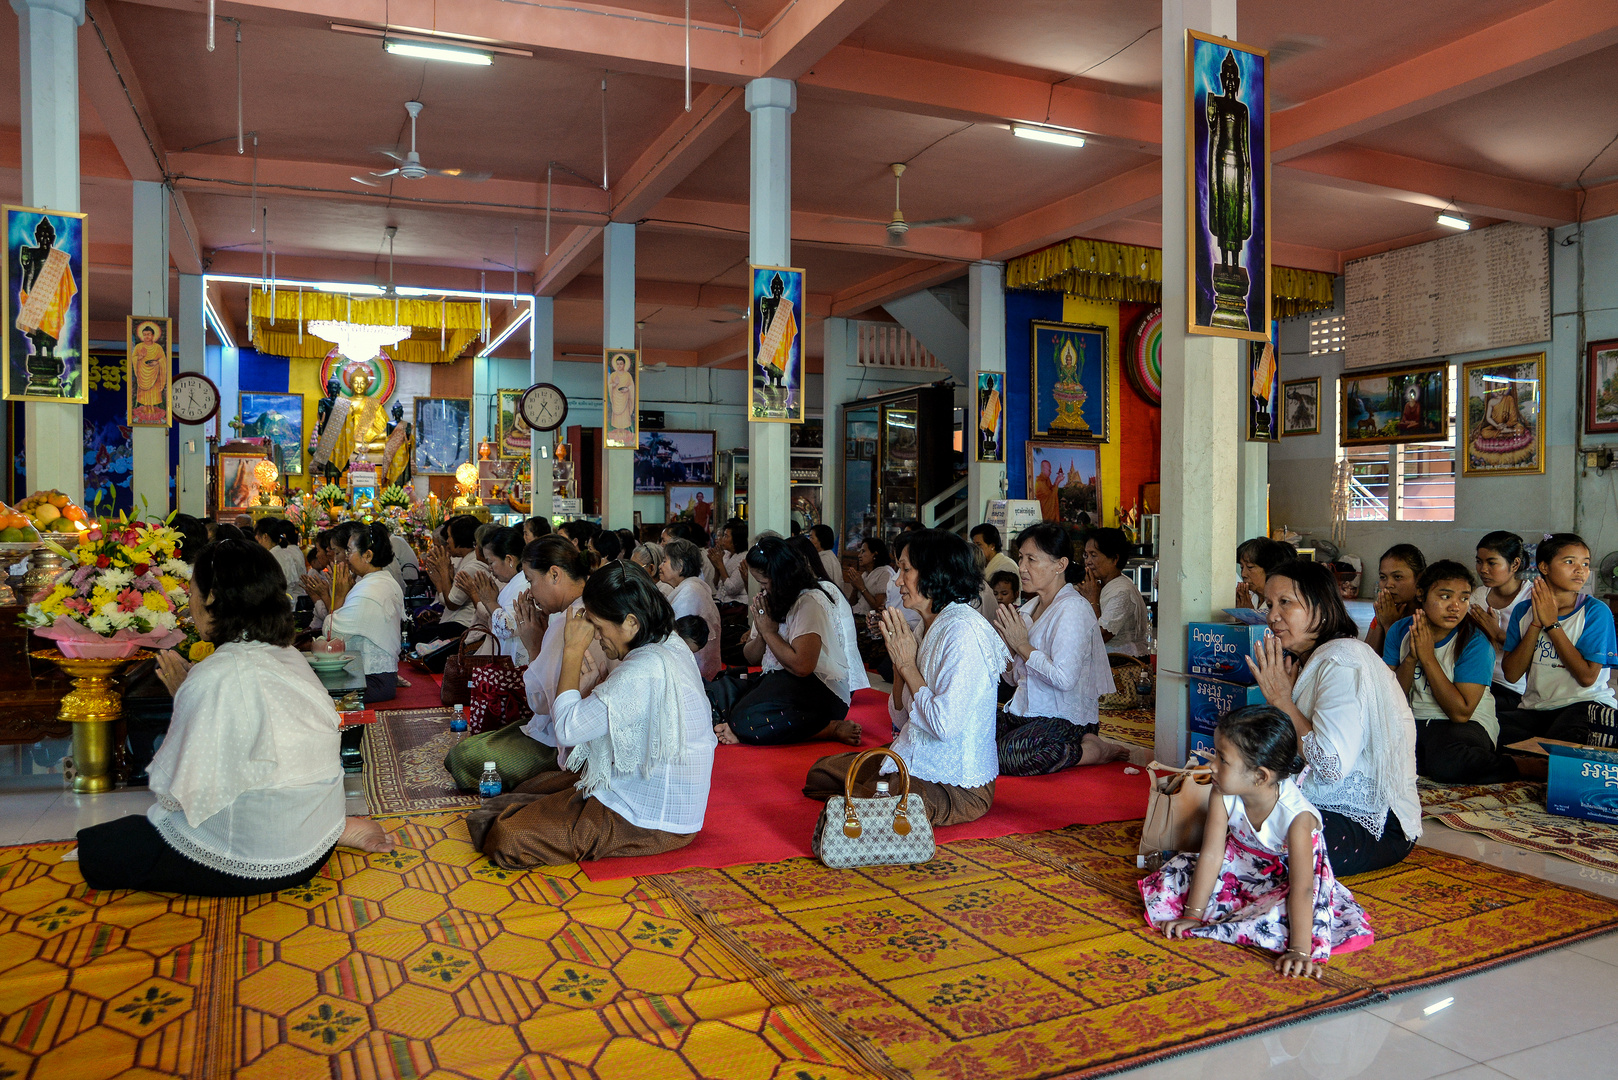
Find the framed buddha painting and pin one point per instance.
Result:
(42, 299)
(1502, 426)
(1069, 379)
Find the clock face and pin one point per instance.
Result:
(196, 398)
(544, 407)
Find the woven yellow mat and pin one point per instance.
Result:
(1135, 726)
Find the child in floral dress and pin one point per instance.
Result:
(1263, 867)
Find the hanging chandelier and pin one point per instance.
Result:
(358, 341)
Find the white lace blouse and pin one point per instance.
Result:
(839, 665)
(248, 780)
(693, 597)
(369, 622)
(1067, 671)
(503, 619)
(539, 679)
(946, 732)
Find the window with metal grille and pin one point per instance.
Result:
(1426, 473)
(1327, 335)
(1370, 486)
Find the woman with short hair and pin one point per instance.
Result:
(726, 572)
(943, 699)
(689, 594)
(643, 741)
(248, 783)
(499, 588)
(367, 606)
(649, 557)
(1119, 607)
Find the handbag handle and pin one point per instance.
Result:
(1200, 774)
(466, 653)
(901, 816)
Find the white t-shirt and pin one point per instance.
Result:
(1124, 614)
(1502, 617)
(693, 597)
(1550, 685)
(877, 580)
(293, 567)
(369, 622)
(814, 612)
(459, 606)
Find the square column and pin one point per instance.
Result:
(53, 445)
(191, 337)
(1202, 379)
(149, 295)
(542, 368)
(618, 332)
(838, 378)
(771, 103)
(1252, 468)
(985, 352)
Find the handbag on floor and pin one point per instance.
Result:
(1176, 808)
(460, 662)
(890, 831)
(496, 696)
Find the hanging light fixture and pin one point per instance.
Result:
(358, 341)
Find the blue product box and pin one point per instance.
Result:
(1583, 782)
(1194, 741)
(1220, 650)
(1213, 698)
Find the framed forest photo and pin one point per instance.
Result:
(1406, 405)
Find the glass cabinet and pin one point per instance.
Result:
(897, 455)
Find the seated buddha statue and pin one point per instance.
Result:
(368, 421)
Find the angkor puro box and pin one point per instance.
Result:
(1211, 699)
(1583, 782)
(1220, 650)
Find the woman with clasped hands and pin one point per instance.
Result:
(1353, 721)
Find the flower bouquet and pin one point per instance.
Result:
(125, 587)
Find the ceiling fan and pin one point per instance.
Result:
(410, 166)
(736, 314)
(897, 226)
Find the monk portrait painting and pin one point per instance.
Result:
(43, 288)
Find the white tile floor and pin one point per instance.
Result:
(1552, 1017)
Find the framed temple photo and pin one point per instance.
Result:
(150, 378)
(1300, 407)
(691, 502)
(1601, 387)
(278, 418)
(1227, 187)
(1069, 381)
(670, 456)
(1263, 393)
(775, 365)
(1065, 481)
(620, 400)
(42, 300)
(236, 482)
(1502, 425)
(991, 414)
(516, 437)
(1407, 405)
(443, 435)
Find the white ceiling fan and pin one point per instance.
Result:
(897, 226)
(410, 166)
(736, 314)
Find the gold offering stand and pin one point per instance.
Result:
(93, 707)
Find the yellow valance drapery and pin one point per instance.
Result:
(1101, 270)
(432, 321)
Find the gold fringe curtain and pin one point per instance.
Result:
(280, 342)
(1101, 270)
(458, 323)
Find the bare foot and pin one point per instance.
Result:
(364, 834)
(726, 736)
(842, 731)
(1099, 751)
(405, 683)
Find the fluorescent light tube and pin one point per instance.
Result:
(1451, 221)
(422, 51)
(1060, 138)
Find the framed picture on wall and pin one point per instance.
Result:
(147, 344)
(278, 418)
(236, 482)
(991, 414)
(1069, 381)
(44, 344)
(691, 502)
(443, 435)
(775, 344)
(1502, 429)
(1066, 481)
(673, 457)
(1601, 387)
(516, 437)
(1263, 393)
(1405, 405)
(621, 399)
(1300, 407)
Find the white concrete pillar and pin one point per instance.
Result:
(191, 341)
(1252, 469)
(771, 102)
(838, 378)
(149, 295)
(986, 352)
(1201, 435)
(618, 329)
(53, 445)
(542, 368)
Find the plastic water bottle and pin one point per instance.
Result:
(881, 789)
(489, 782)
(458, 721)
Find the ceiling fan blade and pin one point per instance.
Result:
(388, 152)
(856, 221)
(362, 180)
(959, 219)
(384, 175)
(459, 174)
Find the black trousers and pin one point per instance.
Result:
(129, 853)
(1588, 723)
(383, 686)
(1352, 848)
(1454, 753)
(1505, 698)
(785, 708)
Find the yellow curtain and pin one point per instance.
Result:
(279, 342)
(1100, 270)
(456, 324)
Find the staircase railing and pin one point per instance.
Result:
(947, 510)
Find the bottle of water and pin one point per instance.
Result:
(458, 721)
(489, 782)
(881, 789)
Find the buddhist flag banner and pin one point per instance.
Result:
(42, 285)
(775, 345)
(1227, 186)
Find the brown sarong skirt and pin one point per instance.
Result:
(946, 804)
(547, 821)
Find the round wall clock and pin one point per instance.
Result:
(196, 398)
(544, 407)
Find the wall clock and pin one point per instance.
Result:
(544, 407)
(196, 398)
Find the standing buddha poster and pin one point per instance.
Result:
(775, 345)
(42, 285)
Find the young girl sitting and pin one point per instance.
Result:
(1564, 643)
(1444, 663)
(1263, 867)
(1500, 558)
(1396, 575)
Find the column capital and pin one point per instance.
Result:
(762, 94)
(73, 9)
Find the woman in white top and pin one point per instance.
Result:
(825, 545)
(642, 742)
(280, 538)
(797, 641)
(943, 700)
(248, 785)
(1256, 558)
(986, 538)
(681, 570)
(1354, 724)
(1500, 560)
(448, 565)
(1058, 664)
(555, 571)
(871, 575)
(1118, 605)
(649, 557)
(497, 588)
(726, 571)
(367, 606)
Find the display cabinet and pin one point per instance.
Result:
(898, 453)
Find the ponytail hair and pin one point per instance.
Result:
(371, 539)
(1264, 737)
(556, 550)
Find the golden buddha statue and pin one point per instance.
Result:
(367, 420)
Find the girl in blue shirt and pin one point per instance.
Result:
(1445, 663)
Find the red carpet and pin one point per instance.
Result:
(424, 691)
(757, 811)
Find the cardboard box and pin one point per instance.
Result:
(1213, 698)
(1197, 740)
(1583, 782)
(1220, 650)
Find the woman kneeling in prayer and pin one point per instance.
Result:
(943, 696)
(249, 788)
(643, 741)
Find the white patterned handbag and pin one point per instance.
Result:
(890, 831)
